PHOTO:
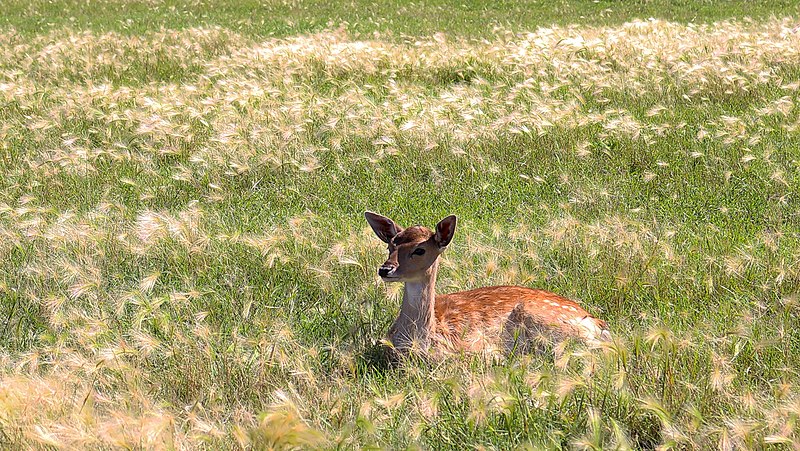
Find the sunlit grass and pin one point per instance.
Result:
(184, 262)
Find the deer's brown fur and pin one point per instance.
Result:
(500, 318)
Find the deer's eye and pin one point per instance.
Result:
(418, 251)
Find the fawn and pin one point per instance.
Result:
(500, 318)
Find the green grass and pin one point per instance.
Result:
(184, 260)
(474, 18)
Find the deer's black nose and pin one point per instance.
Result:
(384, 271)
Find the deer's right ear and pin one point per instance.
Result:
(384, 227)
(445, 230)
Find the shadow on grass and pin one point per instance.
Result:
(377, 359)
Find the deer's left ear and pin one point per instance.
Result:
(383, 227)
(445, 230)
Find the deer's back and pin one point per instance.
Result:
(473, 319)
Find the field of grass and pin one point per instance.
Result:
(184, 261)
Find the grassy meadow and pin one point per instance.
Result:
(184, 261)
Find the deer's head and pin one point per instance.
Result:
(412, 251)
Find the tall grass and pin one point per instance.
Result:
(184, 262)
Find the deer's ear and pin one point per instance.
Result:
(384, 227)
(445, 230)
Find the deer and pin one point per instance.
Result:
(496, 319)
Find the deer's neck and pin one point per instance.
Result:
(416, 323)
